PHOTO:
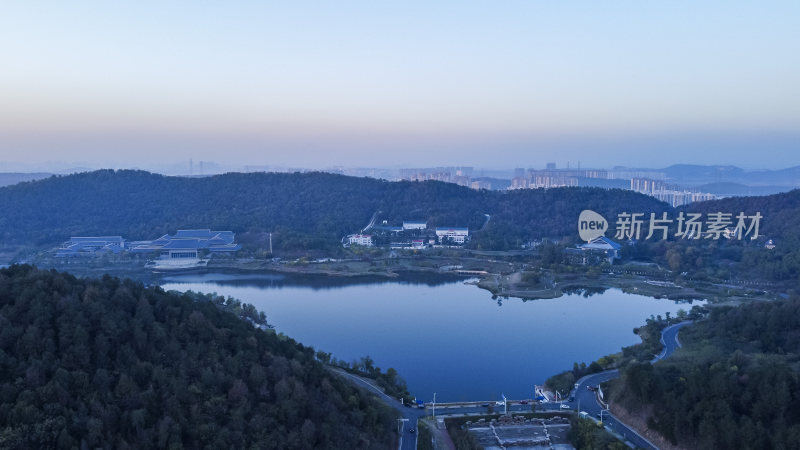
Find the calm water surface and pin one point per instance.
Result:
(443, 336)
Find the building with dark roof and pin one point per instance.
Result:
(91, 245)
(415, 224)
(596, 251)
(187, 243)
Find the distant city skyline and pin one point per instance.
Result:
(205, 167)
(411, 84)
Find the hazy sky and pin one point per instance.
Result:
(495, 83)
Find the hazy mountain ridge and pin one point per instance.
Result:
(693, 175)
(728, 188)
(9, 178)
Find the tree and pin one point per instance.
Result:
(197, 374)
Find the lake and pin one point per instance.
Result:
(441, 334)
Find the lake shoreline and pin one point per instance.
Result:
(413, 321)
(502, 278)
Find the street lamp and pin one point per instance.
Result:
(434, 405)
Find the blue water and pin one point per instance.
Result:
(442, 336)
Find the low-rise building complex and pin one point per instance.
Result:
(360, 239)
(183, 244)
(458, 235)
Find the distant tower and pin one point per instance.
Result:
(191, 166)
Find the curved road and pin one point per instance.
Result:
(669, 339)
(408, 440)
(586, 400)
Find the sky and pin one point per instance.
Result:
(391, 83)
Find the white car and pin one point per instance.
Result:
(564, 406)
(499, 403)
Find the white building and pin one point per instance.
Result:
(414, 225)
(454, 234)
(360, 239)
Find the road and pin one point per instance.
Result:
(586, 400)
(488, 218)
(669, 339)
(371, 222)
(408, 440)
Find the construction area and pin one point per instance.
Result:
(521, 433)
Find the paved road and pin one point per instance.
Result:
(586, 400)
(371, 222)
(669, 339)
(408, 440)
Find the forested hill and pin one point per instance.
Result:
(112, 364)
(744, 259)
(781, 213)
(311, 210)
(733, 385)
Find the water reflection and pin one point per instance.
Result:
(442, 335)
(586, 292)
(311, 281)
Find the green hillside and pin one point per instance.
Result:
(745, 258)
(111, 364)
(313, 211)
(307, 211)
(733, 385)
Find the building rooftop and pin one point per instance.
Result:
(387, 228)
(96, 238)
(215, 241)
(89, 245)
(601, 243)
